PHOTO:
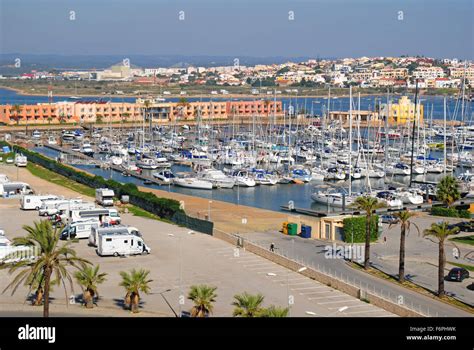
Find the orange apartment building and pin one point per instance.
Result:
(91, 112)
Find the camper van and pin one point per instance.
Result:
(121, 244)
(20, 160)
(114, 230)
(79, 229)
(50, 207)
(15, 188)
(104, 196)
(105, 216)
(4, 179)
(30, 202)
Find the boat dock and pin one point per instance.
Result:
(79, 158)
(381, 211)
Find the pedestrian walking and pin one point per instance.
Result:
(272, 247)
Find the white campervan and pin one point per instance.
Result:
(51, 207)
(121, 245)
(15, 188)
(114, 230)
(105, 216)
(79, 229)
(30, 202)
(104, 196)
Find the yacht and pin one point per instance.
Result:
(262, 178)
(301, 175)
(333, 197)
(192, 182)
(335, 174)
(217, 178)
(243, 179)
(389, 198)
(147, 163)
(410, 196)
(400, 169)
(165, 176)
(52, 140)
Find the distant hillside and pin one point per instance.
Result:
(62, 62)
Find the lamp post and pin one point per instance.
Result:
(167, 302)
(209, 209)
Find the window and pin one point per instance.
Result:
(125, 241)
(108, 239)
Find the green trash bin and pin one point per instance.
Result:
(292, 229)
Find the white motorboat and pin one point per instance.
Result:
(389, 199)
(262, 178)
(165, 176)
(243, 179)
(116, 160)
(334, 198)
(192, 182)
(399, 169)
(335, 174)
(301, 175)
(147, 163)
(36, 134)
(52, 140)
(410, 196)
(217, 178)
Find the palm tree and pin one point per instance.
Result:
(89, 278)
(99, 118)
(275, 311)
(440, 231)
(404, 218)
(448, 191)
(49, 119)
(248, 305)
(51, 261)
(369, 205)
(203, 296)
(135, 282)
(16, 109)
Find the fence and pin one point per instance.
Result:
(396, 303)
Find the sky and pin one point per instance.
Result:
(257, 28)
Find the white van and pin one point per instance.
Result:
(106, 216)
(121, 245)
(50, 207)
(79, 229)
(15, 188)
(114, 230)
(104, 196)
(30, 202)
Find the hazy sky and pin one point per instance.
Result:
(326, 28)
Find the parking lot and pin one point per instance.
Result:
(179, 259)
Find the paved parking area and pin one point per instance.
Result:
(180, 259)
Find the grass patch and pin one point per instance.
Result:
(466, 240)
(467, 267)
(136, 211)
(60, 180)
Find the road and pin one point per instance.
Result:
(312, 253)
(421, 261)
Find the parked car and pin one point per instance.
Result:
(389, 219)
(465, 226)
(457, 274)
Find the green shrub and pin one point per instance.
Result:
(450, 212)
(356, 227)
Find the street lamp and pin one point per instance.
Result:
(167, 302)
(209, 216)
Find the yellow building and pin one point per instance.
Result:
(403, 112)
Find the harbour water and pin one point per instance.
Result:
(265, 197)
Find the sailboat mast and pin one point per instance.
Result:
(413, 133)
(350, 140)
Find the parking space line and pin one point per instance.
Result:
(328, 297)
(339, 301)
(314, 287)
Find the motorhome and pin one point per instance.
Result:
(121, 245)
(30, 202)
(21, 160)
(105, 216)
(104, 196)
(56, 206)
(114, 230)
(79, 229)
(4, 179)
(15, 188)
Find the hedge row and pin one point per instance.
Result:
(451, 212)
(162, 207)
(356, 227)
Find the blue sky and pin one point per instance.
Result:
(325, 28)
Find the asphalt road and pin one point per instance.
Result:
(312, 253)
